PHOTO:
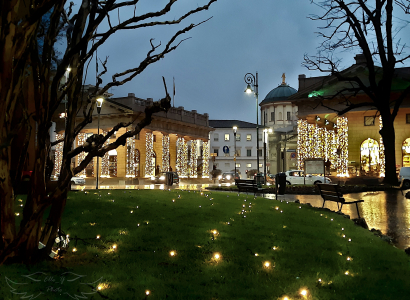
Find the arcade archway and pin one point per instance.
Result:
(369, 158)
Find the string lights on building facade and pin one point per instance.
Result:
(316, 142)
(130, 169)
(81, 138)
(182, 158)
(205, 159)
(342, 137)
(105, 161)
(149, 150)
(194, 159)
(165, 153)
(58, 156)
(382, 160)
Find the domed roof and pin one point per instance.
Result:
(280, 93)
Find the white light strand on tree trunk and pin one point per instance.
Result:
(105, 171)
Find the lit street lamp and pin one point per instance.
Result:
(250, 80)
(234, 142)
(265, 138)
(99, 104)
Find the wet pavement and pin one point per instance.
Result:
(387, 211)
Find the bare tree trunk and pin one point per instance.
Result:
(389, 140)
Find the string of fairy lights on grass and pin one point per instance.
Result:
(194, 159)
(105, 160)
(81, 138)
(149, 150)
(58, 160)
(218, 257)
(382, 159)
(165, 153)
(182, 158)
(205, 159)
(130, 169)
(316, 142)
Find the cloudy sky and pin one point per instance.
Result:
(265, 36)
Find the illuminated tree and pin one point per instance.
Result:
(31, 90)
(371, 28)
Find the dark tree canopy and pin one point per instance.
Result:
(370, 28)
(31, 91)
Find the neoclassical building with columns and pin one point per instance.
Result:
(177, 140)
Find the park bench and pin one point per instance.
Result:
(247, 185)
(332, 192)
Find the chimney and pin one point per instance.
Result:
(302, 79)
(360, 59)
(131, 95)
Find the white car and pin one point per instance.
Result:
(404, 177)
(298, 177)
(78, 180)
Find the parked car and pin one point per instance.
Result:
(298, 177)
(77, 180)
(162, 178)
(228, 177)
(404, 177)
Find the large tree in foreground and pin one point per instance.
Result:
(29, 31)
(371, 28)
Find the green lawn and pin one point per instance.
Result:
(308, 249)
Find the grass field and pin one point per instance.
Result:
(267, 250)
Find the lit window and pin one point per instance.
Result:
(226, 136)
(249, 137)
(249, 165)
(238, 165)
(216, 151)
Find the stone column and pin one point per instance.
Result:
(149, 152)
(165, 153)
(205, 159)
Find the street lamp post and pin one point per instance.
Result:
(99, 104)
(265, 138)
(250, 79)
(234, 143)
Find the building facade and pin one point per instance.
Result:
(176, 140)
(351, 142)
(223, 144)
(280, 114)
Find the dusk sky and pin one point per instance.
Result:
(267, 36)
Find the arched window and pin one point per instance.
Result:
(369, 157)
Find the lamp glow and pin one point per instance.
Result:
(74, 249)
(172, 253)
(217, 256)
(147, 292)
(266, 264)
(303, 293)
